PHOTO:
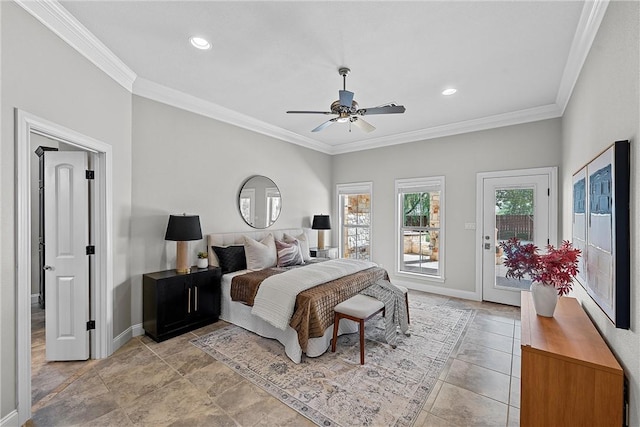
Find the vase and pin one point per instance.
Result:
(203, 263)
(545, 298)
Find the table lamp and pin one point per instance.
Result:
(321, 223)
(181, 229)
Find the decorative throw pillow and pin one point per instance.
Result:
(230, 258)
(288, 253)
(260, 254)
(304, 244)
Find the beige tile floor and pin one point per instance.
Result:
(146, 383)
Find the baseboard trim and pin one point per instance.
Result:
(132, 331)
(137, 330)
(456, 293)
(34, 298)
(10, 420)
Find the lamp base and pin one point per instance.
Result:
(182, 257)
(320, 239)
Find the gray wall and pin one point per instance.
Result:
(184, 162)
(42, 75)
(459, 158)
(604, 108)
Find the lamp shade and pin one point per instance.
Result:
(183, 227)
(321, 222)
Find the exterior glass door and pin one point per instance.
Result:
(513, 206)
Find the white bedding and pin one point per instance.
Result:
(276, 297)
(240, 314)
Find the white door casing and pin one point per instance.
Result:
(543, 182)
(102, 213)
(66, 200)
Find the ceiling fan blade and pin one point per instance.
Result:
(309, 112)
(325, 124)
(366, 127)
(387, 109)
(346, 98)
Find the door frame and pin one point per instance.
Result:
(102, 217)
(552, 172)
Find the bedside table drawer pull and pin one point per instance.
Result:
(196, 299)
(189, 302)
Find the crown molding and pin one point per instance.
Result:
(535, 114)
(62, 23)
(56, 18)
(157, 92)
(592, 14)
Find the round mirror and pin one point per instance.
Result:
(259, 202)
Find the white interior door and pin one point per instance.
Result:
(517, 205)
(66, 207)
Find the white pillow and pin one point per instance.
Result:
(304, 244)
(262, 254)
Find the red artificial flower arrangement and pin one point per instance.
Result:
(557, 267)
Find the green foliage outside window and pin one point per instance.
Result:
(416, 209)
(514, 202)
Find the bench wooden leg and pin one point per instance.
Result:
(362, 341)
(336, 322)
(406, 300)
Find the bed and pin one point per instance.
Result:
(310, 328)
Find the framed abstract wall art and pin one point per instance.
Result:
(600, 220)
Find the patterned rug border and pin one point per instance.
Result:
(414, 407)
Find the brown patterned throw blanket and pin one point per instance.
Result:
(313, 313)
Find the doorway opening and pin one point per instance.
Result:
(30, 127)
(518, 204)
(59, 341)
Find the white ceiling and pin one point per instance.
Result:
(511, 61)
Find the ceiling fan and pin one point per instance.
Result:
(347, 109)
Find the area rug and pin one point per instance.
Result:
(334, 389)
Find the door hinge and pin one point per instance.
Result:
(91, 324)
(548, 192)
(91, 250)
(89, 174)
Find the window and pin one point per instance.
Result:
(273, 204)
(354, 215)
(247, 205)
(420, 223)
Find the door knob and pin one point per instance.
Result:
(48, 267)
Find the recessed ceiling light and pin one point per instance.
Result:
(200, 43)
(449, 91)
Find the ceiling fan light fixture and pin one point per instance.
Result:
(199, 43)
(347, 110)
(450, 91)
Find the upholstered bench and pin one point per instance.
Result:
(358, 308)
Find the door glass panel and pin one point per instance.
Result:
(514, 218)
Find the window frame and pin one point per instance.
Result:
(403, 186)
(351, 189)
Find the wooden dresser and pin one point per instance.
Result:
(569, 377)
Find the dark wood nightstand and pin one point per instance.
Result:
(174, 303)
